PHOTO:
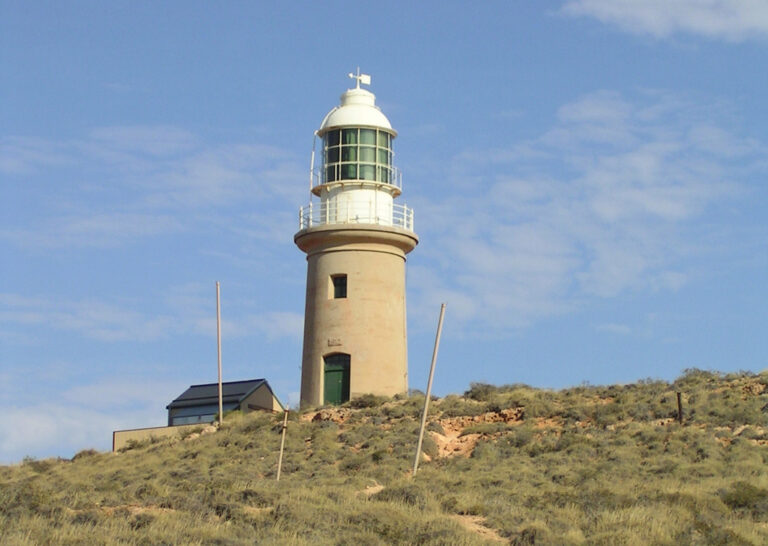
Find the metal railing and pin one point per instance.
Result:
(318, 214)
(317, 178)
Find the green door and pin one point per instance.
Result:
(336, 379)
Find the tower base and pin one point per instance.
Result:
(355, 339)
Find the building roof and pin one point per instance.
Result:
(357, 109)
(208, 393)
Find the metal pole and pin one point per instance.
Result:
(429, 390)
(282, 446)
(679, 408)
(312, 163)
(218, 343)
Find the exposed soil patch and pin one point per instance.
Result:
(372, 489)
(454, 443)
(458, 424)
(132, 509)
(753, 389)
(551, 422)
(335, 415)
(257, 510)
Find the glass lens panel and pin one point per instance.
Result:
(383, 139)
(333, 155)
(367, 154)
(349, 136)
(383, 157)
(330, 173)
(332, 138)
(348, 172)
(368, 136)
(382, 174)
(349, 153)
(367, 172)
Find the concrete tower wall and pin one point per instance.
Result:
(369, 324)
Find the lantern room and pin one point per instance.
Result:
(356, 180)
(357, 153)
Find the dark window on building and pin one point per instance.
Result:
(339, 286)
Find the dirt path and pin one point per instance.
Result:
(476, 524)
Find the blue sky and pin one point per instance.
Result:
(588, 176)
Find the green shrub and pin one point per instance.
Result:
(410, 494)
(520, 436)
(480, 391)
(745, 496)
(140, 521)
(367, 401)
(456, 406)
(39, 465)
(435, 426)
(85, 453)
(428, 446)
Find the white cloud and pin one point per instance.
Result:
(120, 184)
(226, 175)
(82, 417)
(277, 324)
(610, 200)
(24, 156)
(45, 429)
(103, 230)
(613, 328)
(119, 393)
(91, 319)
(189, 309)
(733, 20)
(158, 140)
(193, 302)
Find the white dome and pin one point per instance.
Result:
(358, 109)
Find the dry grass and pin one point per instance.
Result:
(587, 465)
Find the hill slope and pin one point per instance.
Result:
(597, 465)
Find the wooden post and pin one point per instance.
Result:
(679, 408)
(429, 391)
(282, 445)
(218, 350)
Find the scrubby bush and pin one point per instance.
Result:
(411, 494)
(367, 401)
(481, 392)
(455, 406)
(485, 428)
(84, 454)
(745, 496)
(435, 426)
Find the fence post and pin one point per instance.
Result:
(679, 408)
(429, 391)
(282, 446)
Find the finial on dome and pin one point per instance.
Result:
(365, 79)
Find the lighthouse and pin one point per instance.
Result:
(356, 238)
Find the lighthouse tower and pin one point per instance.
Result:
(356, 238)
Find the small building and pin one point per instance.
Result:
(200, 403)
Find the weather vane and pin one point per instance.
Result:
(365, 79)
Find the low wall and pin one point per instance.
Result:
(120, 438)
